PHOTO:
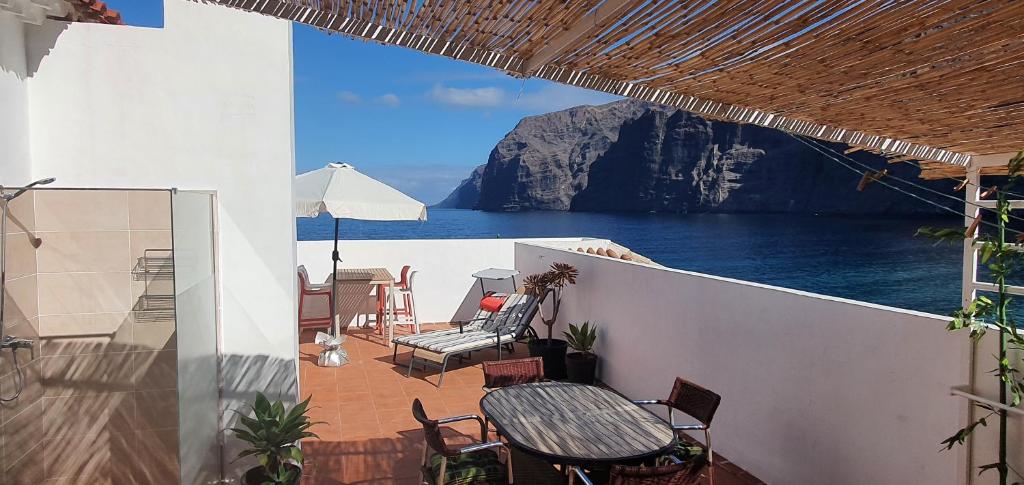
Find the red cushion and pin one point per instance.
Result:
(492, 303)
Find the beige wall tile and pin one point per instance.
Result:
(157, 457)
(22, 302)
(101, 458)
(67, 293)
(87, 333)
(149, 209)
(156, 409)
(156, 370)
(155, 334)
(24, 329)
(31, 390)
(84, 251)
(81, 210)
(73, 416)
(21, 255)
(28, 470)
(21, 213)
(143, 240)
(22, 434)
(66, 375)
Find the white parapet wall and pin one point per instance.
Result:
(814, 389)
(444, 287)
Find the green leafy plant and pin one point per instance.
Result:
(980, 315)
(581, 338)
(273, 434)
(554, 280)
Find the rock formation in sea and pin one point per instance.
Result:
(635, 156)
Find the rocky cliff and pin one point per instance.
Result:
(634, 156)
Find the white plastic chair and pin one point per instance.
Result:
(408, 310)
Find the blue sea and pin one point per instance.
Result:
(873, 259)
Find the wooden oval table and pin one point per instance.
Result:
(576, 424)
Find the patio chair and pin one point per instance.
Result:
(504, 373)
(407, 311)
(491, 330)
(309, 295)
(696, 402)
(474, 463)
(675, 473)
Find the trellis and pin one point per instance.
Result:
(925, 80)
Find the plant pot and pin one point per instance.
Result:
(256, 476)
(553, 355)
(581, 367)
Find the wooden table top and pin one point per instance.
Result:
(576, 424)
(376, 276)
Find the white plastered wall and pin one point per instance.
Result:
(203, 103)
(14, 139)
(815, 389)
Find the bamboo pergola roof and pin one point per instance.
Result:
(924, 80)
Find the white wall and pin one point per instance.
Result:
(814, 389)
(443, 283)
(203, 103)
(14, 138)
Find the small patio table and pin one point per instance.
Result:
(576, 424)
(376, 277)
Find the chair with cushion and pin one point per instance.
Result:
(474, 463)
(504, 373)
(696, 402)
(674, 473)
(315, 303)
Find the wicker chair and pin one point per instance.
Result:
(475, 463)
(696, 402)
(505, 373)
(676, 473)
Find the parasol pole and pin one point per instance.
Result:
(334, 281)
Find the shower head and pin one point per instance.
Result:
(46, 181)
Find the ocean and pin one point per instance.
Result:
(873, 259)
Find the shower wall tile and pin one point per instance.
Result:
(150, 239)
(26, 471)
(156, 370)
(86, 333)
(31, 392)
(154, 335)
(28, 329)
(21, 255)
(81, 210)
(157, 457)
(156, 409)
(100, 458)
(22, 433)
(21, 303)
(73, 416)
(71, 293)
(84, 251)
(70, 375)
(21, 213)
(149, 210)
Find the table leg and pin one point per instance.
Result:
(391, 310)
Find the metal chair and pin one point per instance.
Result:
(696, 402)
(676, 473)
(309, 293)
(474, 463)
(506, 373)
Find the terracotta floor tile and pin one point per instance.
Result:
(370, 435)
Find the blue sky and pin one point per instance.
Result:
(417, 122)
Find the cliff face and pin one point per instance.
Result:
(466, 194)
(633, 156)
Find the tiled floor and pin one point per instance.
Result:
(369, 435)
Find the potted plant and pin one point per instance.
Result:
(273, 434)
(581, 365)
(551, 282)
